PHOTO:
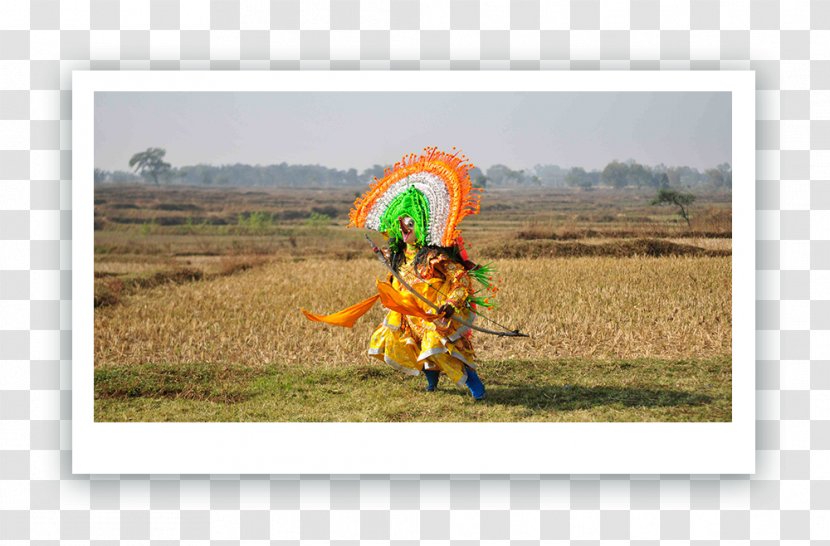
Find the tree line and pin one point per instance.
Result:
(149, 166)
(630, 173)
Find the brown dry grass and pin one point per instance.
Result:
(620, 248)
(115, 280)
(724, 245)
(534, 232)
(204, 321)
(574, 307)
(706, 243)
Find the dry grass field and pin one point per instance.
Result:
(198, 294)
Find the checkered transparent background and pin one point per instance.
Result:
(787, 43)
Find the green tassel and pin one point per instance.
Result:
(483, 274)
(480, 302)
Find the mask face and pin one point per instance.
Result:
(407, 225)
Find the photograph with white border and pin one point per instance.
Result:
(218, 292)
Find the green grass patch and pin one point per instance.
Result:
(554, 390)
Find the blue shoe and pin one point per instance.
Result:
(432, 379)
(475, 385)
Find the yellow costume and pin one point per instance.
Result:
(410, 343)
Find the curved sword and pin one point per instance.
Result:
(382, 258)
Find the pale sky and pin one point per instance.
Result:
(360, 129)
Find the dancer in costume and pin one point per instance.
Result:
(434, 289)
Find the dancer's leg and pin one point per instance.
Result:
(432, 379)
(474, 384)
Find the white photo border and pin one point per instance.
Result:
(404, 448)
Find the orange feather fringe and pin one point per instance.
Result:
(452, 168)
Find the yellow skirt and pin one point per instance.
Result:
(411, 345)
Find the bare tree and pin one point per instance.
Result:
(673, 197)
(150, 163)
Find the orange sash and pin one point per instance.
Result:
(345, 317)
(402, 302)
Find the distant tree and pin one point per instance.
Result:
(726, 172)
(351, 176)
(616, 174)
(579, 178)
(684, 176)
(673, 197)
(639, 175)
(373, 171)
(478, 178)
(501, 175)
(150, 163)
(674, 176)
(550, 175)
(123, 177)
(715, 178)
(99, 175)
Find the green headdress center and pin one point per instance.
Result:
(412, 203)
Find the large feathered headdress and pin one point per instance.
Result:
(433, 188)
